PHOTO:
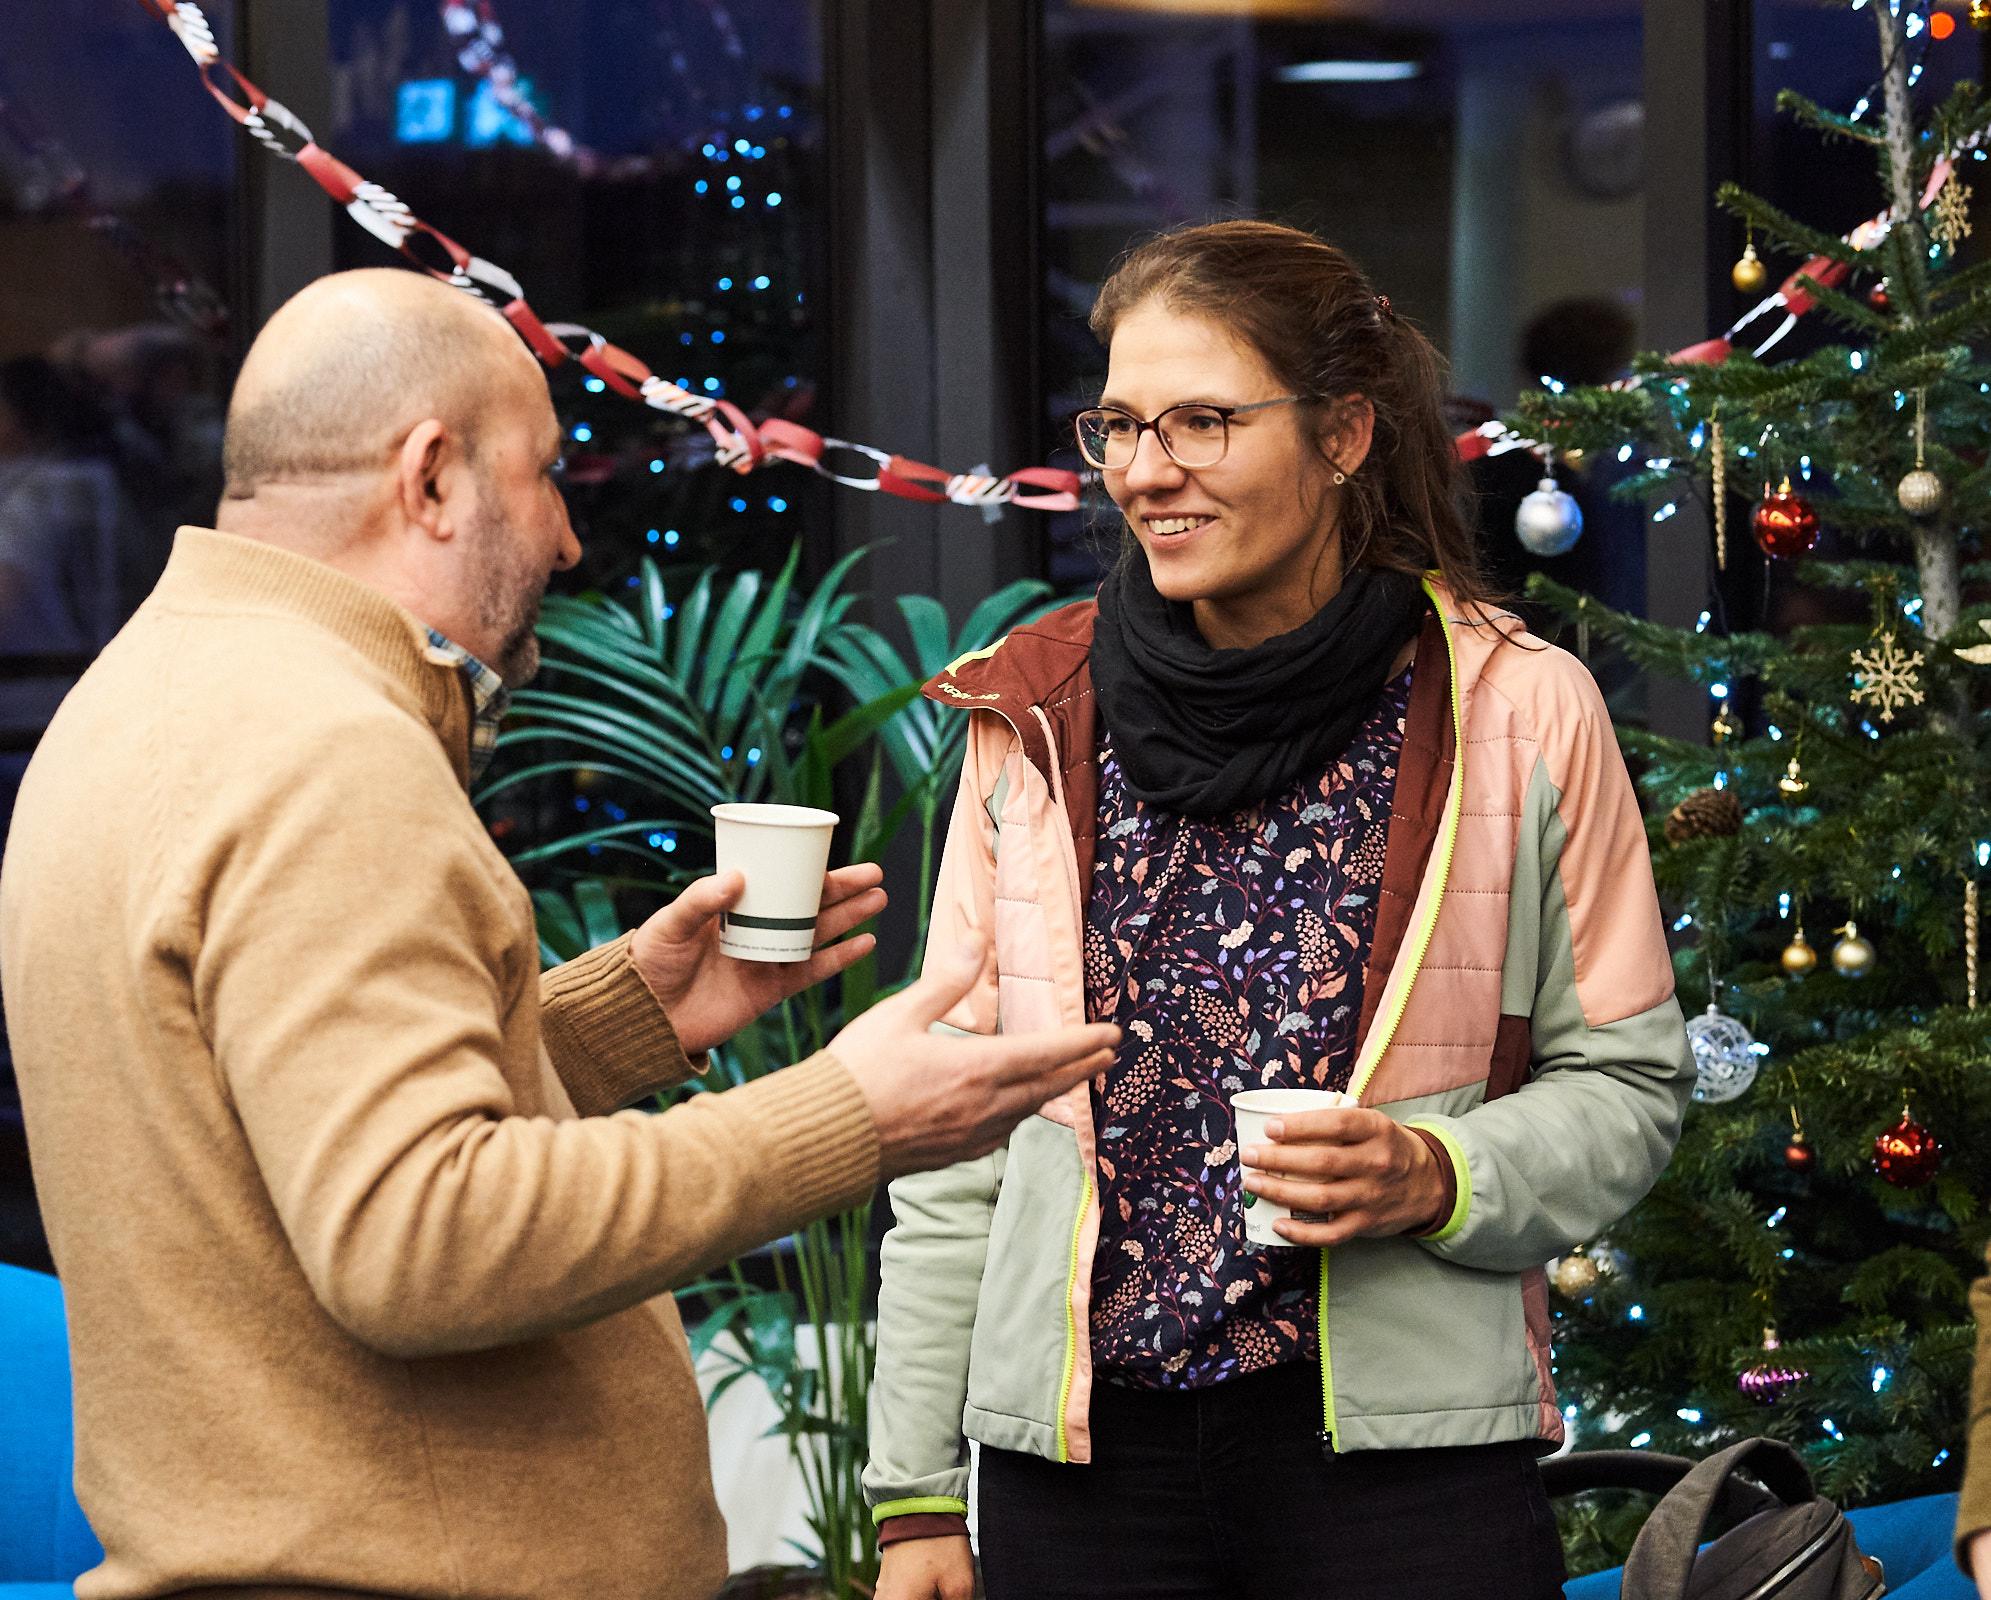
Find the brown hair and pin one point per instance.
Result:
(1315, 321)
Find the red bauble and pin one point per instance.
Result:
(1907, 1154)
(1877, 296)
(1798, 1154)
(1786, 527)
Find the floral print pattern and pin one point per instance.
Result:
(1230, 950)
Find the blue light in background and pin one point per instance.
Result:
(762, 281)
(490, 123)
(739, 200)
(775, 200)
(425, 110)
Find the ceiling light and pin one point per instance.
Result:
(1350, 71)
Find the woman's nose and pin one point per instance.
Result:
(1152, 466)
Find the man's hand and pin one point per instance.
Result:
(1371, 1175)
(1978, 1548)
(708, 996)
(940, 1568)
(939, 1098)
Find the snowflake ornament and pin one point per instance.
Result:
(1952, 224)
(1887, 677)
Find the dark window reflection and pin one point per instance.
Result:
(677, 206)
(1482, 162)
(115, 351)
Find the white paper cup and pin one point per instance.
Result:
(782, 852)
(1251, 1110)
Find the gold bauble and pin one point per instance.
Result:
(1749, 274)
(1852, 956)
(1920, 493)
(1575, 1275)
(1799, 958)
(1980, 15)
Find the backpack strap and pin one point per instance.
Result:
(1662, 1558)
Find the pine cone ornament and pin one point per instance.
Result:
(1704, 814)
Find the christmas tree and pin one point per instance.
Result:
(1801, 1270)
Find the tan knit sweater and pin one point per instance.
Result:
(359, 1305)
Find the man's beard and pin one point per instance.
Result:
(509, 605)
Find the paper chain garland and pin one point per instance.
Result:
(1793, 298)
(739, 443)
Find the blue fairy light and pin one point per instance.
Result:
(775, 200)
(582, 433)
(763, 281)
(739, 200)
(1688, 1414)
(593, 385)
(1640, 1440)
(738, 504)
(656, 463)
(776, 503)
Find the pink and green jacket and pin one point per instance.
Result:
(1518, 1006)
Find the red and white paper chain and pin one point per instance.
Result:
(739, 443)
(1793, 297)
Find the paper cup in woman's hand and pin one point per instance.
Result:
(1252, 1110)
(783, 853)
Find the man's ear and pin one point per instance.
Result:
(419, 467)
(1348, 432)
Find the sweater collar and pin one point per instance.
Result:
(209, 568)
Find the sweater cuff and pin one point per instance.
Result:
(608, 1038)
(1443, 1156)
(921, 1525)
(821, 1142)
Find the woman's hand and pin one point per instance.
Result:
(709, 996)
(941, 1568)
(1369, 1174)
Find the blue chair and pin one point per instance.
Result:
(44, 1540)
(1911, 1538)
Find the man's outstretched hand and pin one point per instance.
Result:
(708, 996)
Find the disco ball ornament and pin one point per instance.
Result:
(1749, 274)
(1920, 493)
(1907, 1155)
(1575, 1276)
(1786, 526)
(1549, 521)
(1724, 1057)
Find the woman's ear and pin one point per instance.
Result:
(1347, 432)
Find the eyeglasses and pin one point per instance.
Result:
(1193, 435)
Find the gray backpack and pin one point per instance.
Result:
(1777, 1539)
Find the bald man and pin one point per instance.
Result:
(366, 1274)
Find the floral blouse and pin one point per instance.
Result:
(1230, 950)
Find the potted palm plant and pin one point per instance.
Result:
(660, 703)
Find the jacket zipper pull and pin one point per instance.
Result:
(1326, 1444)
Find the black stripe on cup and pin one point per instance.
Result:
(733, 919)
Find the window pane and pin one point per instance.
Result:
(685, 222)
(1482, 162)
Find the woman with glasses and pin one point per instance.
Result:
(1296, 807)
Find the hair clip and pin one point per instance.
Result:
(1383, 305)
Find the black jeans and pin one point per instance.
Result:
(1226, 1493)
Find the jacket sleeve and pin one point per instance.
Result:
(354, 964)
(1973, 1512)
(930, 1265)
(608, 1039)
(1583, 1140)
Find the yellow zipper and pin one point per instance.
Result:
(1385, 1026)
(1071, 1320)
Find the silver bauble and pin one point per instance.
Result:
(1549, 521)
(1724, 1057)
(1920, 493)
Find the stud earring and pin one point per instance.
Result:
(1339, 479)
